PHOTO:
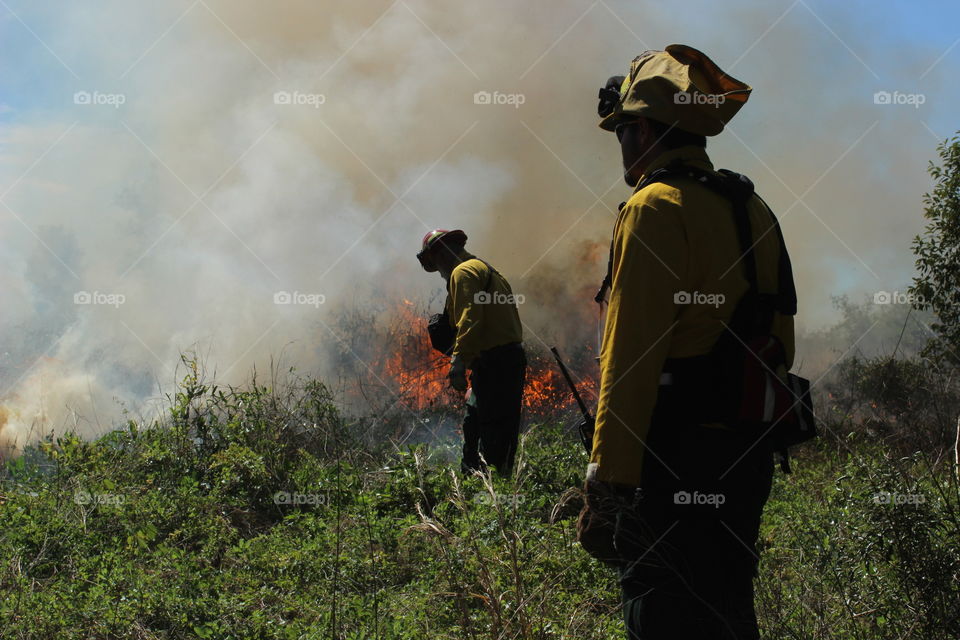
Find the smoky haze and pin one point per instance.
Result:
(171, 172)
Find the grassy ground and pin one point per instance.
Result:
(259, 514)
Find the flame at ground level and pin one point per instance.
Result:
(416, 374)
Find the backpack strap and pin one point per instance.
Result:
(486, 287)
(608, 279)
(490, 272)
(754, 314)
(738, 189)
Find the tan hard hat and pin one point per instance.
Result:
(679, 86)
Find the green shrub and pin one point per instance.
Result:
(256, 513)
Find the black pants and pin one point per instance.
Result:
(694, 531)
(491, 428)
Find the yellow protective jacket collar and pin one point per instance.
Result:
(690, 156)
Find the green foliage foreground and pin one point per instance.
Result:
(257, 513)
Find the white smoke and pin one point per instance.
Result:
(304, 148)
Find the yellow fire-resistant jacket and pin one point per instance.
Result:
(483, 316)
(673, 243)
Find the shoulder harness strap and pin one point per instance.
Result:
(738, 189)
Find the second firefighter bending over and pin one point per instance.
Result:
(480, 329)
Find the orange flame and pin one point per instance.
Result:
(418, 375)
(414, 369)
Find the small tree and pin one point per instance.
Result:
(937, 251)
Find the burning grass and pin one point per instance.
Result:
(393, 366)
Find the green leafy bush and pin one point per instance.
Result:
(256, 513)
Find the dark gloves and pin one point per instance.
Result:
(458, 374)
(597, 524)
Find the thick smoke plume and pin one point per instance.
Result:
(224, 177)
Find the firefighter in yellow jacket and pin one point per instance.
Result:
(483, 315)
(672, 501)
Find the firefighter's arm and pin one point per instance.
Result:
(649, 269)
(769, 265)
(783, 329)
(466, 311)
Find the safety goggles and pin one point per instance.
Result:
(609, 98)
(621, 128)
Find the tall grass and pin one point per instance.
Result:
(263, 512)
